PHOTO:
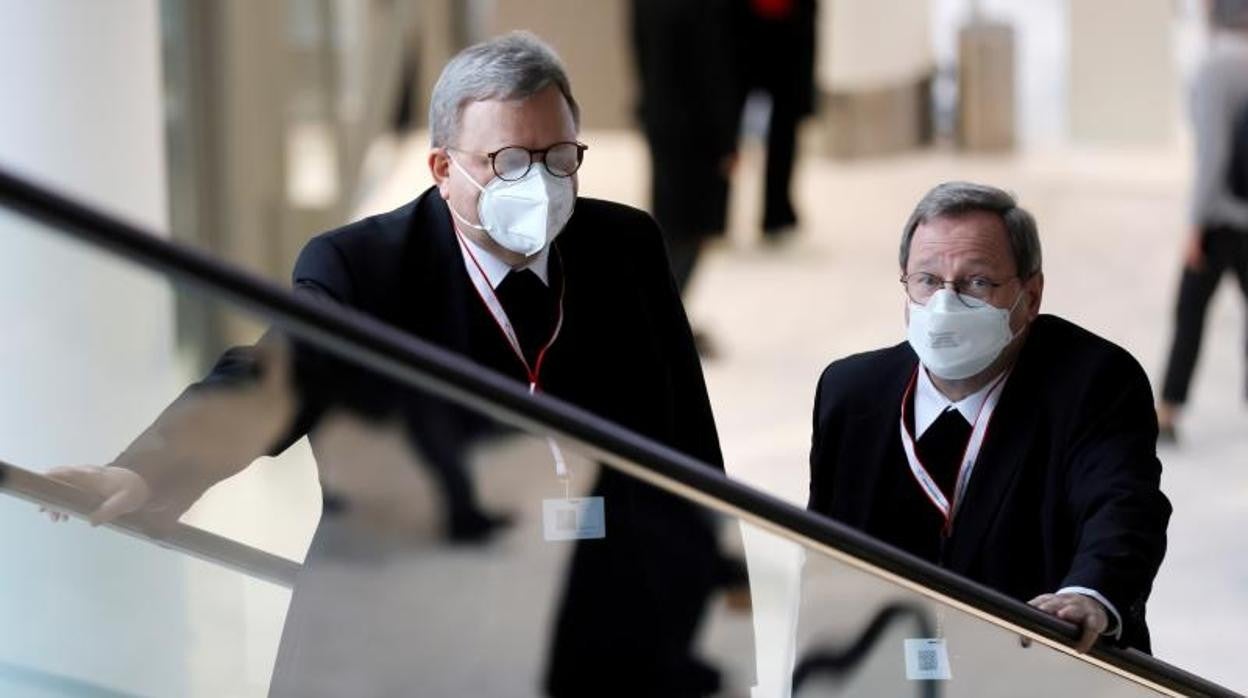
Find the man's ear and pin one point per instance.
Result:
(1035, 293)
(440, 168)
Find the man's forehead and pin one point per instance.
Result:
(538, 120)
(983, 222)
(978, 228)
(974, 237)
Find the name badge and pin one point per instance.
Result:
(575, 518)
(927, 659)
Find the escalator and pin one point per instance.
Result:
(334, 566)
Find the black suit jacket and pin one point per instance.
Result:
(1065, 492)
(632, 601)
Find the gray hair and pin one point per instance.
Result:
(956, 198)
(515, 65)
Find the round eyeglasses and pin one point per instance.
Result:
(973, 291)
(513, 162)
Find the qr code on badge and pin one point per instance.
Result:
(565, 520)
(928, 660)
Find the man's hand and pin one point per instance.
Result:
(1194, 249)
(124, 491)
(1084, 611)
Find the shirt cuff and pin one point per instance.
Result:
(1115, 627)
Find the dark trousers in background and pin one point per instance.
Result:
(778, 212)
(683, 254)
(689, 195)
(1225, 249)
(781, 64)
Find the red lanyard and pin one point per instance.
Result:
(970, 453)
(490, 299)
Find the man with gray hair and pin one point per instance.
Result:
(501, 262)
(1059, 503)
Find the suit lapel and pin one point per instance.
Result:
(876, 446)
(1002, 459)
(436, 287)
(884, 448)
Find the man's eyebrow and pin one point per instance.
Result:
(973, 262)
(979, 262)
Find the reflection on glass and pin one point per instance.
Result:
(851, 642)
(390, 599)
(430, 572)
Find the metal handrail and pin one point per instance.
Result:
(417, 363)
(196, 542)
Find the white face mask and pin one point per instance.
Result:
(955, 342)
(525, 215)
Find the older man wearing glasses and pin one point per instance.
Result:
(1014, 448)
(500, 262)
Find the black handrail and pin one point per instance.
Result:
(415, 362)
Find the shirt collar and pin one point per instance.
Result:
(930, 403)
(496, 269)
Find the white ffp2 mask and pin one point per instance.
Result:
(956, 342)
(525, 215)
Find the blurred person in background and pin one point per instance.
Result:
(777, 40)
(1218, 238)
(689, 111)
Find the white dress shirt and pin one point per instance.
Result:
(496, 269)
(930, 403)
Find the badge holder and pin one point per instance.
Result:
(927, 658)
(571, 518)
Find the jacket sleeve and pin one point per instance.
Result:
(694, 431)
(257, 400)
(1114, 498)
(820, 447)
(321, 274)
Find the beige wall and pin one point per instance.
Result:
(88, 340)
(1123, 77)
(869, 46)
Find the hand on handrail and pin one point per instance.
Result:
(123, 490)
(1084, 611)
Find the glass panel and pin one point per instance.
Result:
(419, 525)
(424, 529)
(87, 360)
(840, 606)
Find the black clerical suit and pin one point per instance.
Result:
(1065, 490)
(632, 601)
